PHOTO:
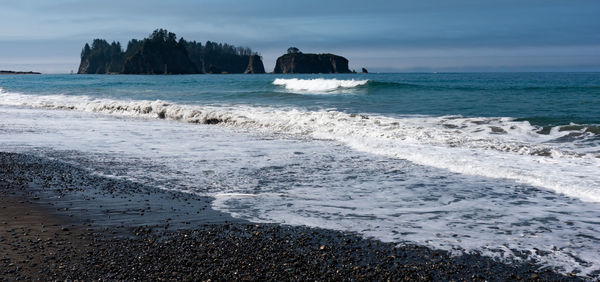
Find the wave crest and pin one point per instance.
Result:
(318, 84)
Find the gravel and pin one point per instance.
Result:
(59, 221)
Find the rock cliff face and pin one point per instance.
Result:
(102, 57)
(311, 63)
(255, 65)
(151, 59)
(225, 63)
(161, 53)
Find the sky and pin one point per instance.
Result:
(383, 36)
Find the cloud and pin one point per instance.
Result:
(270, 26)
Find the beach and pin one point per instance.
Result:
(61, 222)
(340, 176)
(307, 140)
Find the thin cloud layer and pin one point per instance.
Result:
(556, 30)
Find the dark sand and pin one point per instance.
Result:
(58, 221)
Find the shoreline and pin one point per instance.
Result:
(59, 221)
(5, 72)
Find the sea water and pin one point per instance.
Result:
(502, 164)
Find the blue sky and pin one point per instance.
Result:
(424, 35)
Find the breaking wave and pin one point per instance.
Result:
(564, 159)
(318, 84)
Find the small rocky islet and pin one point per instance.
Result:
(297, 62)
(17, 72)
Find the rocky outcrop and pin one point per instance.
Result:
(102, 57)
(168, 58)
(364, 70)
(255, 65)
(311, 63)
(219, 58)
(162, 53)
(225, 63)
(18, 72)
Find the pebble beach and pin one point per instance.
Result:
(60, 222)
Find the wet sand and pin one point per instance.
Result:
(59, 221)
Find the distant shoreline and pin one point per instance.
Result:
(18, 72)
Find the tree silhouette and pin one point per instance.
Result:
(162, 52)
(293, 50)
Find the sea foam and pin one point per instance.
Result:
(437, 198)
(490, 147)
(317, 84)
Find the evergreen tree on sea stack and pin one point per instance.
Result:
(293, 50)
(163, 53)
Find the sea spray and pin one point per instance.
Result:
(318, 84)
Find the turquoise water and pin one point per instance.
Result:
(541, 98)
(502, 164)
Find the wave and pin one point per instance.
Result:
(318, 84)
(322, 85)
(475, 88)
(558, 120)
(558, 158)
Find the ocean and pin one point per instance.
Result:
(506, 165)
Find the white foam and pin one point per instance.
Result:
(490, 147)
(233, 195)
(319, 183)
(317, 85)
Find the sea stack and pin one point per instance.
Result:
(297, 62)
(162, 53)
(161, 57)
(255, 65)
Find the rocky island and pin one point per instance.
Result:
(162, 53)
(18, 72)
(297, 62)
